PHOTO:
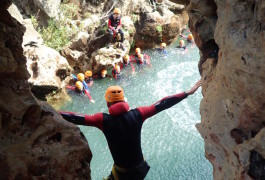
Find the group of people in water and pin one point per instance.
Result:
(122, 125)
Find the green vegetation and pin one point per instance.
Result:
(159, 29)
(59, 33)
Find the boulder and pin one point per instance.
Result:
(36, 142)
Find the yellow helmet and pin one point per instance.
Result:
(140, 56)
(126, 57)
(117, 11)
(80, 77)
(137, 50)
(181, 43)
(190, 37)
(88, 74)
(104, 71)
(79, 85)
(114, 94)
(163, 45)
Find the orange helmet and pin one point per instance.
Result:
(114, 94)
(190, 37)
(80, 77)
(137, 50)
(79, 85)
(117, 11)
(88, 74)
(117, 68)
(181, 43)
(163, 45)
(126, 57)
(104, 71)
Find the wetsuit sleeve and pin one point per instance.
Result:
(85, 85)
(74, 77)
(70, 87)
(95, 120)
(165, 103)
(109, 25)
(88, 94)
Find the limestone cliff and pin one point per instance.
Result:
(230, 36)
(35, 142)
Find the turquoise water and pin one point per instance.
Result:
(171, 144)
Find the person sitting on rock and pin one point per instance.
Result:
(79, 89)
(88, 78)
(162, 48)
(81, 77)
(181, 44)
(116, 72)
(122, 127)
(114, 24)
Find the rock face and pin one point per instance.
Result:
(159, 26)
(47, 67)
(35, 142)
(230, 35)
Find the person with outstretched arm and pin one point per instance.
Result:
(122, 129)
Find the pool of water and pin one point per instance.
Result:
(171, 144)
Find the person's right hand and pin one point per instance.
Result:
(194, 87)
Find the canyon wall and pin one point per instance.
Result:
(35, 142)
(231, 39)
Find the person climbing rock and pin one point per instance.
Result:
(114, 24)
(122, 129)
(88, 78)
(79, 89)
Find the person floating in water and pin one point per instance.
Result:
(88, 78)
(116, 72)
(162, 48)
(80, 77)
(79, 89)
(122, 129)
(135, 57)
(126, 63)
(181, 44)
(103, 74)
(114, 24)
(189, 38)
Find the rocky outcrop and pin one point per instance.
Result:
(47, 67)
(35, 143)
(159, 26)
(47, 8)
(230, 35)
